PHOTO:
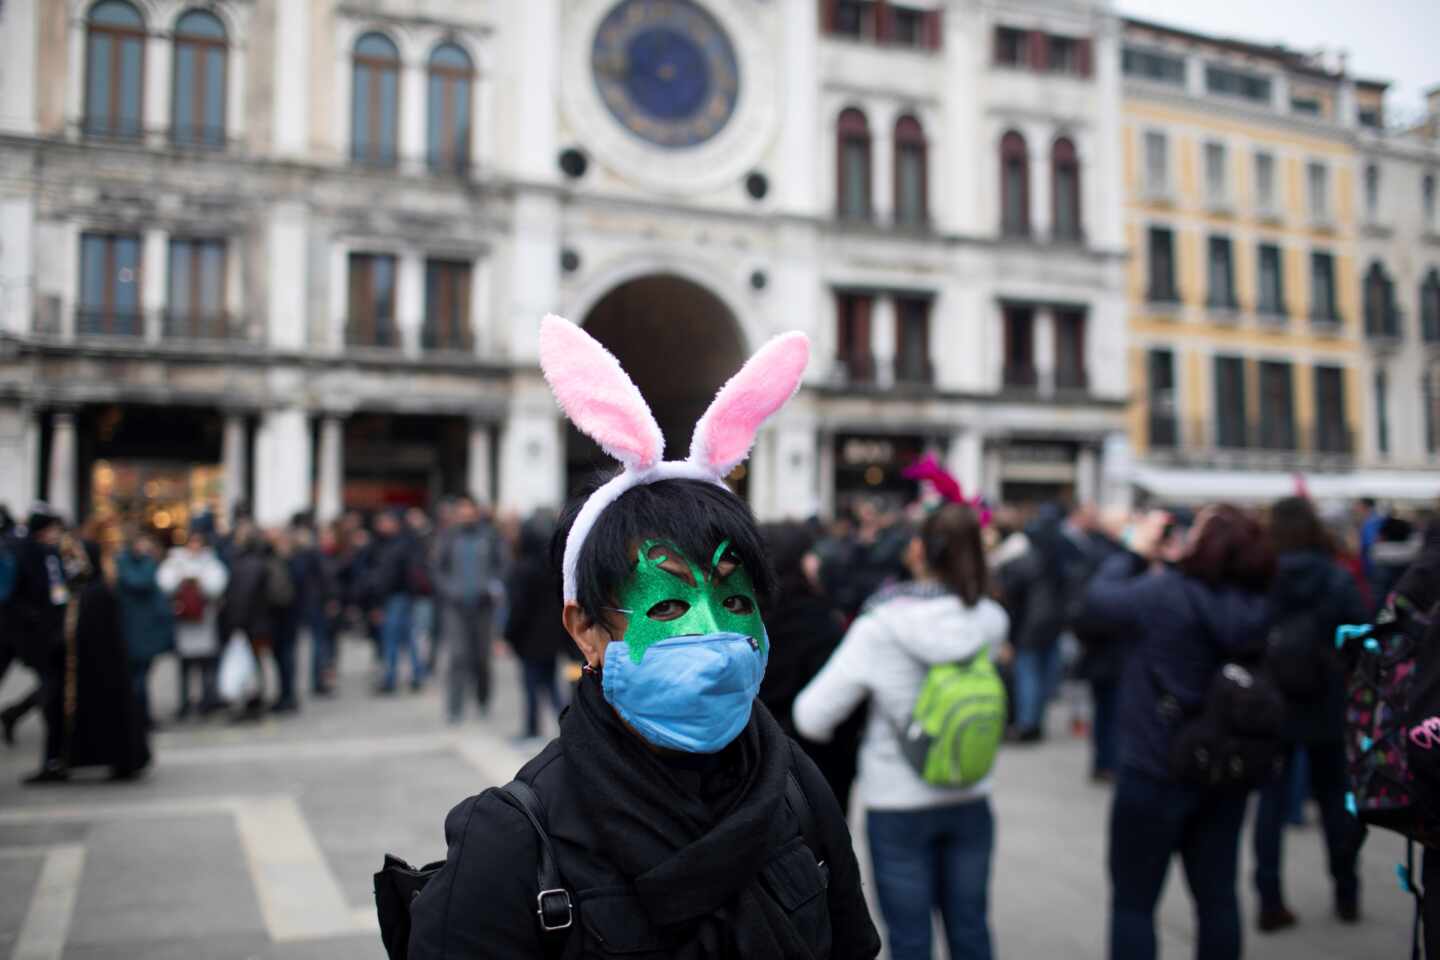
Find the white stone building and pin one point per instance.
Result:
(1399, 265)
(295, 253)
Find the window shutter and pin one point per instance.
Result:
(995, 53)
(883, 28)
(827, 15)
(1039, 51)
(933, 28)
(1083, 55)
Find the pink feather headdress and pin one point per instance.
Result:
(605, 405)
(928, 468)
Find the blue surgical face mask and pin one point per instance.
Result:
(691, 693)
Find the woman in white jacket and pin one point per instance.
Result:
(195, 580)
(931, 846)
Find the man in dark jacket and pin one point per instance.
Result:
(1314, 594)
(1102, 647)
(533, 626)
(35, 617)
(676, 831)
(1042, 588)
(394, 553)
(469, 558)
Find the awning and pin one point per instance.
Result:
(1172, 485)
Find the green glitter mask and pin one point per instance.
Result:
(663, 604)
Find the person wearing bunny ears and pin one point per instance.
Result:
(672, 815)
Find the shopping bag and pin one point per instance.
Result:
(238, 668)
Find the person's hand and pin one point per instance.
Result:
(1149, 534)
(1005, 655)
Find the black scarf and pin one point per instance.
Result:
(694, 860)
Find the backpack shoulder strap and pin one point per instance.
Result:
(799, 803)
(554, 906)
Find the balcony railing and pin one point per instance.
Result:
(202, 326)
(1385, 325)
(371, 335)
(192, 136)
(91, 322)
(858, 369)
(1277, 445)
(915, 372)
(1021, 379)
(1326, 323)
(453, 341)
(1071, 379)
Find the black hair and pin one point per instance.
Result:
(693, 515)
(787, 544)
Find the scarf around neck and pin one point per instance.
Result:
(694, 860)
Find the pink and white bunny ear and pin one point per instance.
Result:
(597, 395)
(726, 432)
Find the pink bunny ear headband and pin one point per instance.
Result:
(945, 484)
(605, 405)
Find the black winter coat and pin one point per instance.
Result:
(1183, 631)
(33, 618)
(482, 904)
(533, 626)
(1309, 581)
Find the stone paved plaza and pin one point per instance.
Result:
(259, 841)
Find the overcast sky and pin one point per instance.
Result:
(1391, 40)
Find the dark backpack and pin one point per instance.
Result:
(189, 602)
(397, 884)
(1392, 719)
(1300, 658)
(1233, 737)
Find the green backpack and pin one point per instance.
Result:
(957, 723)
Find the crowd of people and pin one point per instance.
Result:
(1139, 607)
(90, 610)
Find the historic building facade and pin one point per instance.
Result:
(294, 253)
(1254, 214)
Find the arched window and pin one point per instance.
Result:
(114, 69)
(1430, 307)
(1065, 191)
(1381, 318)
(198, 98)
(911, 190)
(447, 145)
(1014, 186)
(852, 151)
(376, 115)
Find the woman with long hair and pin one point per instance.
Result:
(931, 845)
(1187, 619)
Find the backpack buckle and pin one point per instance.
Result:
(555, 910)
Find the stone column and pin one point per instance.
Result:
(288, 273)
(155, 270)
(993, 460)
(797, 189)
(966, 460)
(532, 457)
(330, 482)
(1044, 334)
(60, 491)
(282, 466)
(825, 474)
(480, 465)
(882, 169)
(882, 339)
(410, 301)
(1087, 475)
(413, 117)
(235, 461)
(290, 81)
(17, 456)
(794, 492)
(156, 117)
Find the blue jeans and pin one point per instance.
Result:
(1037, 675)
(1103, 731)
(1151, 821)
(929, 858)
(395, 633)
(322, 647)
(1342, 831)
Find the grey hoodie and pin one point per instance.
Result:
(885, 656)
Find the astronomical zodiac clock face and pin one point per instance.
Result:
(666, 71)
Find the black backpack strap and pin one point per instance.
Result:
(554, 906)
(805, 813)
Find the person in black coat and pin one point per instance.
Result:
(685, 853)
(804, 630)
(1103, 651)
(533, 628)
(34, 619)
(1186, 621)
(1310, 587)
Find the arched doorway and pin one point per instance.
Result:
(678, 342)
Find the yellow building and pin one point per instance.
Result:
(1246, 337)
